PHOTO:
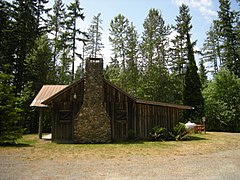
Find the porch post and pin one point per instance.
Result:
(40, 124)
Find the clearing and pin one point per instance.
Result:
(213, 155)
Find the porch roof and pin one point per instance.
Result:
(46, 92)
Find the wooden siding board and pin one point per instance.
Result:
(139, 120)
(134, 118)
(145, 121)
(114, 122)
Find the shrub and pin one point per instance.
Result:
(131, 134)
(179, 132)
(157, 132)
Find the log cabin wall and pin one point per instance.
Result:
(65, 107)
(119, 106)
(149, 116)
(126, 114)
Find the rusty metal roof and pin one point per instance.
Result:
(50, 98)
(178, 106)
(46, 92)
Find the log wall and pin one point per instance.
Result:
(126, 114)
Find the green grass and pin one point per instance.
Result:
(34, 148)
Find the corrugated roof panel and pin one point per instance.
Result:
(46, 92)
(164, 104)
(48, 100)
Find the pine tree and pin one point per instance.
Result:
(237, 26)
(192, 94)
(230, 45)
(116, 71)
(179, 49)
(74, 13)
(132, 53)
(94, 44)
(117, 38)
(64, 72)
(39, 64)
(154, 44)
(178, 54)
(79, 72)
(56, 26)
(211, 51)
(154, 48)
(202, 74)
(10, 130)
(25, 30)
(38, 71)
(39, 11)
(7, 38)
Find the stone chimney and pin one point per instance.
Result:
(92, 125)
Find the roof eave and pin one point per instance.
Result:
(49, 100)
(177, 106)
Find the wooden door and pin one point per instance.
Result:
(121, 119)
(64, 127)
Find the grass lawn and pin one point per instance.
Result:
(33, 148)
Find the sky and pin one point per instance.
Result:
(203, 12)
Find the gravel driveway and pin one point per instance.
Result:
(219, 165)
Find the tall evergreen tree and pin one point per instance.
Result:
(64, 71)
(39, 10)
(178, 52)
(74, 13)
(132, 53)
(203, 74)
(20, 29)
(9, 119)
(211, 51)
(192, 94)
(39, 64)
(179, 49)
(155, 38)
(7, 38)
(237, 26)
(154, 48)
(94, 44)
(118, 38)
(230, 45)
(56, 26)
(25, 29)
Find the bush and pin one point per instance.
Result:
(131, 134)
(179, 132)
(157, 132)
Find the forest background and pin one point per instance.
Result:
(38, 45)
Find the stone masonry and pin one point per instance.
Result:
(92, 125)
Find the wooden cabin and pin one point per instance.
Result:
(76, 117)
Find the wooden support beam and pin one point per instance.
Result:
(40, 123)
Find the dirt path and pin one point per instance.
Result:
(224, 164)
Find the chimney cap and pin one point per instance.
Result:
(95, 60)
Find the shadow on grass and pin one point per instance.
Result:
(127, 142)
(15, 145)
(194, 138)
(190, 138)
